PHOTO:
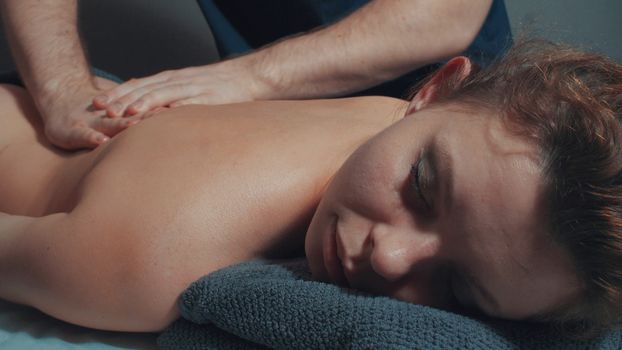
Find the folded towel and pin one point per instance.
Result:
(261, 304)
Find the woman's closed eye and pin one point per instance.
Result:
(419, 183)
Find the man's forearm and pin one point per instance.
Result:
(46, 45)
(380, 41)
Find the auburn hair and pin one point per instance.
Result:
(569, 104)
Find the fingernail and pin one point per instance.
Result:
(103, 99)
(116, 108)
(138, 105)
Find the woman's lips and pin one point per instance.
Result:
(332, 262)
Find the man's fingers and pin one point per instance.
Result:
(111, 127)
(162, 96)
(197, 100)
(104, 100)
(100, 101)
(100, 130)
(118, 107)
(85, 137)
(153, 112)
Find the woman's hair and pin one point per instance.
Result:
(569, 104)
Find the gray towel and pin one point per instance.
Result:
(261, 304)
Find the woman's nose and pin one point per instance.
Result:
(397, 252)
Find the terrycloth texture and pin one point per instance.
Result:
(266, 304)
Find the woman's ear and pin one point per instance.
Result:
(458, 68)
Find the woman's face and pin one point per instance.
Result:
(443, 207)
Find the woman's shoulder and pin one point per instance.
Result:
(20, 119)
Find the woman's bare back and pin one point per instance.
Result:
(184, 192)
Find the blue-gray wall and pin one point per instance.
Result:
(594, 25)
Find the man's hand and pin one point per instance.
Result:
(212, 84)
(54, 68)
(71, 122)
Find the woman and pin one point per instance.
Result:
(472, 194)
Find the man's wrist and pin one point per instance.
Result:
(261, 79)
(56, 95)
(66, 83)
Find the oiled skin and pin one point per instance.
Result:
(123, 229)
